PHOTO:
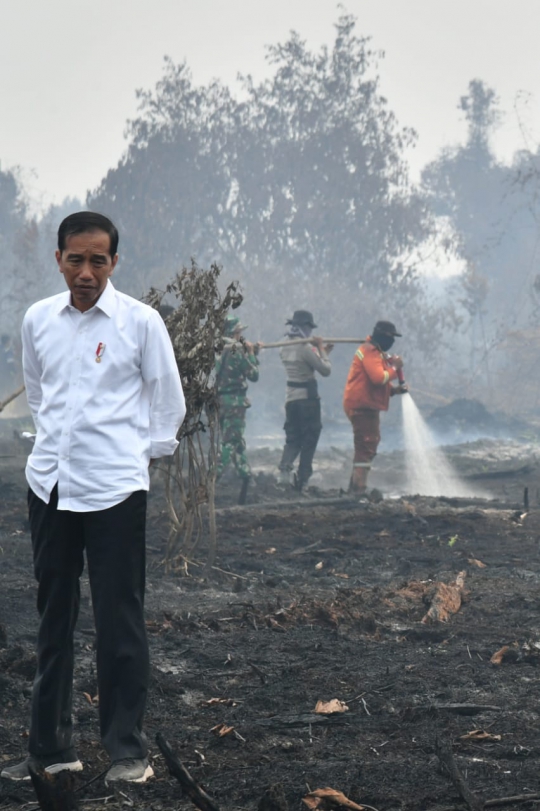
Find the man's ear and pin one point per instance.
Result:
(58, 256)
(113, 265)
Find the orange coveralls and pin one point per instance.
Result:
(367, 393)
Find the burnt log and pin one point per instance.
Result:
(54, 792)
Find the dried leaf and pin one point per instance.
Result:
(329, 798)
(479, 735)
(212, 702)
(327, 707)
(319, 565)
(220, 730)
(508, 653)
(446, 601)
(475, 562)
(271, 551)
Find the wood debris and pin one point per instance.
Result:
(479, 735)
(223, 702)
(446, 600)
(221, 730)
(443, 750)
(328, 707)
(197, 795)
(508, 653)
(55, 792)
(325, 798)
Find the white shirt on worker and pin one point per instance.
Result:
(105, 394)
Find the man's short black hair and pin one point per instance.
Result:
(84, 221)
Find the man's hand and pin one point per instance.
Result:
(253, 349)
(403, 389)
(328, 348)
(317, 341)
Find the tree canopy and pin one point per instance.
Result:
(296, 185)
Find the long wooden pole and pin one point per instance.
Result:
(11, 397)
(293, 341)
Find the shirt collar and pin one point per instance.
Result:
(106, 302)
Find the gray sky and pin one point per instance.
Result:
(69, 68)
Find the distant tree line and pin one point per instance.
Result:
(298, 186)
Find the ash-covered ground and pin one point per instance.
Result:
(314, 601)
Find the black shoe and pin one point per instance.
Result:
(68, 762)
(243, 490)
(129, 770)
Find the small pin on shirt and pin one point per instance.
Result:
(99, 352)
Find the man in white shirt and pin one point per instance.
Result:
(105, 394)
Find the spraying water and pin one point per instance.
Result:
(429, 472)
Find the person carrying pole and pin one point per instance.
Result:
(302, 404)
(237, 364)
(367, 393)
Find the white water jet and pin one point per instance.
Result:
(429, 473)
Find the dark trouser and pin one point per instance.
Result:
(115, 549)
(302, 430)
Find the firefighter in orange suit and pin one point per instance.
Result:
(367, 393)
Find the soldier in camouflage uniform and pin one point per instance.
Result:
(235, 366)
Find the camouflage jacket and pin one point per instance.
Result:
(234, 368)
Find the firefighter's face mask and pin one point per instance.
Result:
(383, 340)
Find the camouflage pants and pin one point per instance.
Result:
(232, 422)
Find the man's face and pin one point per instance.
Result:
(86, 264)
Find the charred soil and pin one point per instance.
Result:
(311, 601)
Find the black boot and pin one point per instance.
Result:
(243, 491)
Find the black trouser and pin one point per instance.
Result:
(302, 430)
(115, 550)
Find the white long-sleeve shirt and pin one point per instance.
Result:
(105, 394)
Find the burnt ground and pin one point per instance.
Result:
(315, 601)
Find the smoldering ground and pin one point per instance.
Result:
(310, 604)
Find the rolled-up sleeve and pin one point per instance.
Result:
(320, 362)
(161, 376)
